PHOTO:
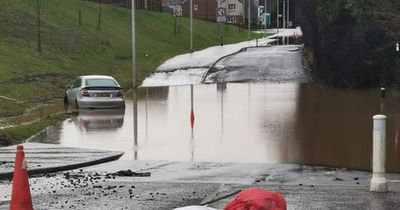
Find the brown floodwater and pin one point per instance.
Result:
(258, 123)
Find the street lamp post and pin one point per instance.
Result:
(283, 21)
(397, 58)
(277, 22)
(288, 17)
(133, 46)
(135, 133)
(287, 13)
(284, 14)
(248, 18)
(265, 17)
(191, 25)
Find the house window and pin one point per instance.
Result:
(195, 7)
(231, 19)
(231, 7)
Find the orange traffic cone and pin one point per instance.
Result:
(21, 194)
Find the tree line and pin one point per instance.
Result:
(352, 43)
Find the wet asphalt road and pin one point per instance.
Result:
(83, 193)
(176, 184)
(275, 64)
(170, 185)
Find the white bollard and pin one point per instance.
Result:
(378, 181)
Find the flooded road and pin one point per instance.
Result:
(261, 65)
(258, 123)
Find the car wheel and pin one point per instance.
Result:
(66, 99)
(76, 104)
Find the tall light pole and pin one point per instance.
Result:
(397, 57)
(288, 17)
(284, 25)
(283, 14)
(287, 14)
(191, 25)
(277, 21)
(248, 18)
(134, 75)
(265, 17)
(133, 46)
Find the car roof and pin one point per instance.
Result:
(96, 77)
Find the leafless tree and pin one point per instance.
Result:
(38, 10)
(99, 16)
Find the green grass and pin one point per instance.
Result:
(70, 50)
(20, 133)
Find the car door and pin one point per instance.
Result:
(75, 89)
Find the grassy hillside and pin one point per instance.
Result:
(69, 50)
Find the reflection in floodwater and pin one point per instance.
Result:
(98, 120)
(85, 120)
(135, 122)
(49, 136)
(334, 127)
(192, 119)
(221, 87)
(264, 123)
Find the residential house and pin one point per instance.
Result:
(172, 6)
(234, 11)
(202, 9)
(237, 11)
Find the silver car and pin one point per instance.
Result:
(95, 91)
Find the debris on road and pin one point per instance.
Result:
(130, 173)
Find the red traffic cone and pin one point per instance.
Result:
(21, 194)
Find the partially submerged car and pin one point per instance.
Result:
(95, 91)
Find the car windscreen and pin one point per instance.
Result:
(100, 83)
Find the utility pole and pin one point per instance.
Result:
(265, 17)
(397, 58)
(134, 74)
(284, 22)
(288, 17)
(248, 18)
(133, 45)
(284, 14)
(277, 21)
(191, 25)
(287, 14)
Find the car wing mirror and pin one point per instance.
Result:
(69, 86)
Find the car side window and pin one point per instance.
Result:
(77, 83)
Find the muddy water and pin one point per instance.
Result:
(264, 123)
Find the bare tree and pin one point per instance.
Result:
(38, 9)
(99, 16)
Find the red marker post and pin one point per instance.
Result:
(192, 118)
